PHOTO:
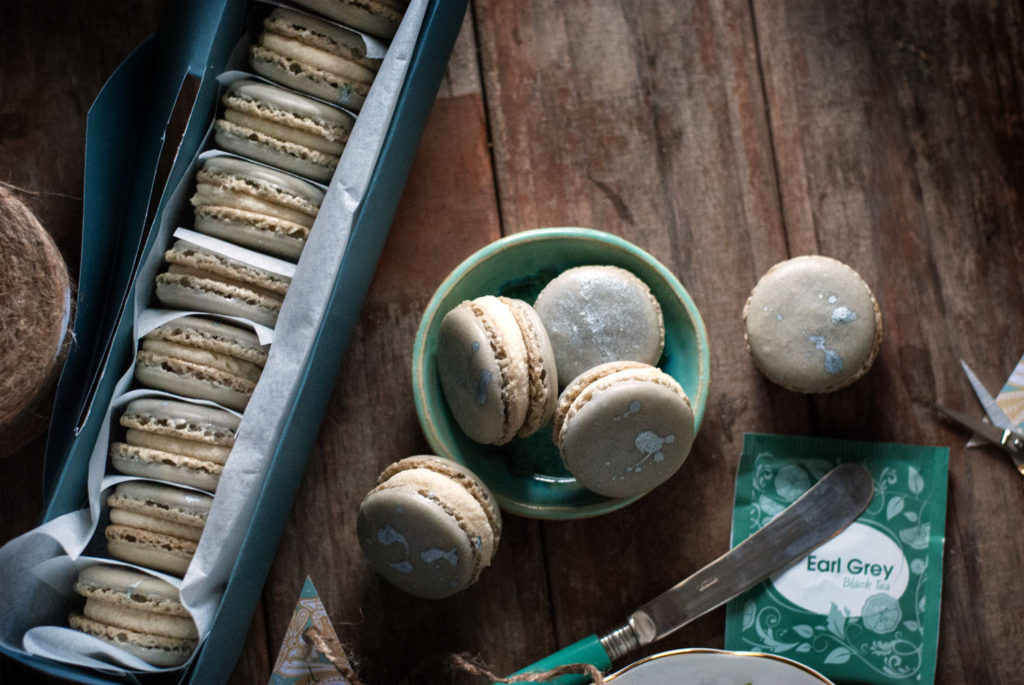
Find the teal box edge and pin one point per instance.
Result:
(67, 453)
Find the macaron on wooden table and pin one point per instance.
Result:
(721, 138)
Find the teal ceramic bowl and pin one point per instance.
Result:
(526, 475)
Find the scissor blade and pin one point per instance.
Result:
(1009, 441)
(995, 413)
(981, 428)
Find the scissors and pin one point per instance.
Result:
(1000, 432)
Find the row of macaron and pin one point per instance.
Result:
(267, 200)
(264, 202)
(253, 206)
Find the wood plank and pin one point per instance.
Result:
(447, 211)
(646, 120)
(54, 59)
(897, 139)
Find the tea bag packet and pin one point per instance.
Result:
(863, 607)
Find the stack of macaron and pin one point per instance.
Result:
(622, 425)
(429, 527)
(135, 612)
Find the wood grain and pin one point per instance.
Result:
(721, 136)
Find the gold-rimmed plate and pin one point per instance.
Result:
(715, 667)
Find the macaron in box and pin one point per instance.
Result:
(527, 475)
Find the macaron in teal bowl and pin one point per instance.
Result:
(526, 475)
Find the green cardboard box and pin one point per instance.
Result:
(144, 130)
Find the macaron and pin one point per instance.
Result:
(254, 206)
(201, 358)
(379, 18)
(283, 129)
(623, 428)
(315, 57)
(136, 612)
(497, 369)
(155, 525)
(598, 314)
(429, 527)
(812, 324)
(197, 278)
(175, 441)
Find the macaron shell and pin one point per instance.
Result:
(269, 235)
(143, 462)
(380, 19)
(213, 336)
(266, 148)
(454, 498)
(581, 382)
(627, 433)
(458, 473)
(193, 422)
(193, 291)
(283, 129)
(185, 507)
(192, 380)
(129, 588)
(481, 361)
(598, 314)
(327, 124)
(153, 550)
(415, 544)
(253, 187)
(113, 614)
(314, 57)
(812, 324)
(157, 650)
(254, 206)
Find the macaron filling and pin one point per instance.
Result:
(160, 501)
(540, 365)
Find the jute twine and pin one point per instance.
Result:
(35, 315)
(334, 651)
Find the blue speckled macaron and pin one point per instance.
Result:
(812, 324)
(429, 527)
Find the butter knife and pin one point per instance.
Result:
(819, 514)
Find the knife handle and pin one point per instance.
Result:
(587, 651)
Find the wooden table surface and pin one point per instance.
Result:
(722, 136)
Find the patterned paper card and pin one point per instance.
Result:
(299, 662)
(1011, 397)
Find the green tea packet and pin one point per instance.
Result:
(863, 607)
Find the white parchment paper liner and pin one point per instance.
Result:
(38, 567)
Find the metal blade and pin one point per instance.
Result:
(995, 413)
(818, 515)
(982, 429)
(1010, 441)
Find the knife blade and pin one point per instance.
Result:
(818, 515)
